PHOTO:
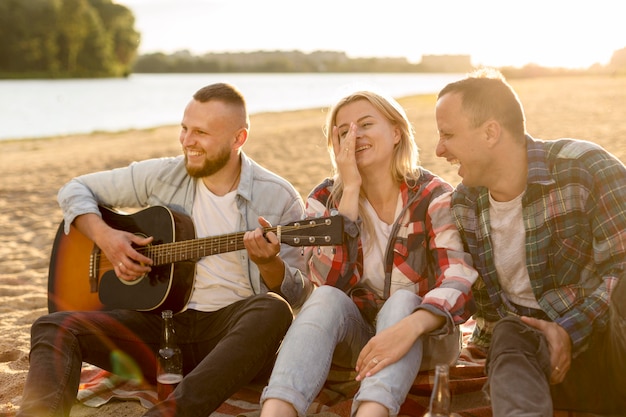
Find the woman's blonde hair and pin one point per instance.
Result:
(405, 159)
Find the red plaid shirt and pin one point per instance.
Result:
(425, 255)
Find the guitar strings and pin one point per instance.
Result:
(173, 251)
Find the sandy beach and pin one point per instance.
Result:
(289, 143)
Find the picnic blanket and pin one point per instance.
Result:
(99, 387)
(467, 379)
(335, 399)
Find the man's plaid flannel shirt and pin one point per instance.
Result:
(574, 211)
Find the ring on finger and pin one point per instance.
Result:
(375, 361)
(120, 264)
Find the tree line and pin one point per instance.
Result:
(338, 62)
(286, 62)
(66, 38)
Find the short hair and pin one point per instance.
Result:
(225, 93)
(485, 94)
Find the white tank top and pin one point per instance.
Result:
(374, 258)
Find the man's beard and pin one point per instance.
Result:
(209, 166)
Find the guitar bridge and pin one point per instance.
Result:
(94, 268)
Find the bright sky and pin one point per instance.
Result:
(553, 33)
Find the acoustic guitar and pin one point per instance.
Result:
(80, 277)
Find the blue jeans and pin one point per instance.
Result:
(518, 369)
(330, 330)
(222, 351)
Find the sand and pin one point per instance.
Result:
(289, 143)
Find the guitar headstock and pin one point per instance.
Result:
(322, 231)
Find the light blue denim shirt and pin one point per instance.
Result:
(165, 182)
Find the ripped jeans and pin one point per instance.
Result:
(518, 369)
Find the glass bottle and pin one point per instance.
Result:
(169, 359)
(439, 405)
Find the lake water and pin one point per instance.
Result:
(41, 108)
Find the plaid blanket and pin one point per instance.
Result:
(467, 379)
(99, 387)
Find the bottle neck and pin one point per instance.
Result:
(440, 398)
(169, 335)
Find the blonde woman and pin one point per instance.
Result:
(390, 299)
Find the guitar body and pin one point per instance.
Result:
(75, 259)
(81, 278)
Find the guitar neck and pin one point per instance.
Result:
(194, 249)
(322, 231)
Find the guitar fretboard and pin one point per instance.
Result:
(193, 249)
(198, 248)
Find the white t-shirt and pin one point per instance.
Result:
(508, 238)
(220, 277)
(374, 257)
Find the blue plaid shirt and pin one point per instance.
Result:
(574, 212)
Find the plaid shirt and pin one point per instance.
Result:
(424, 254)
(574, 212)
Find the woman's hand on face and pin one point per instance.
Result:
(345, 156)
